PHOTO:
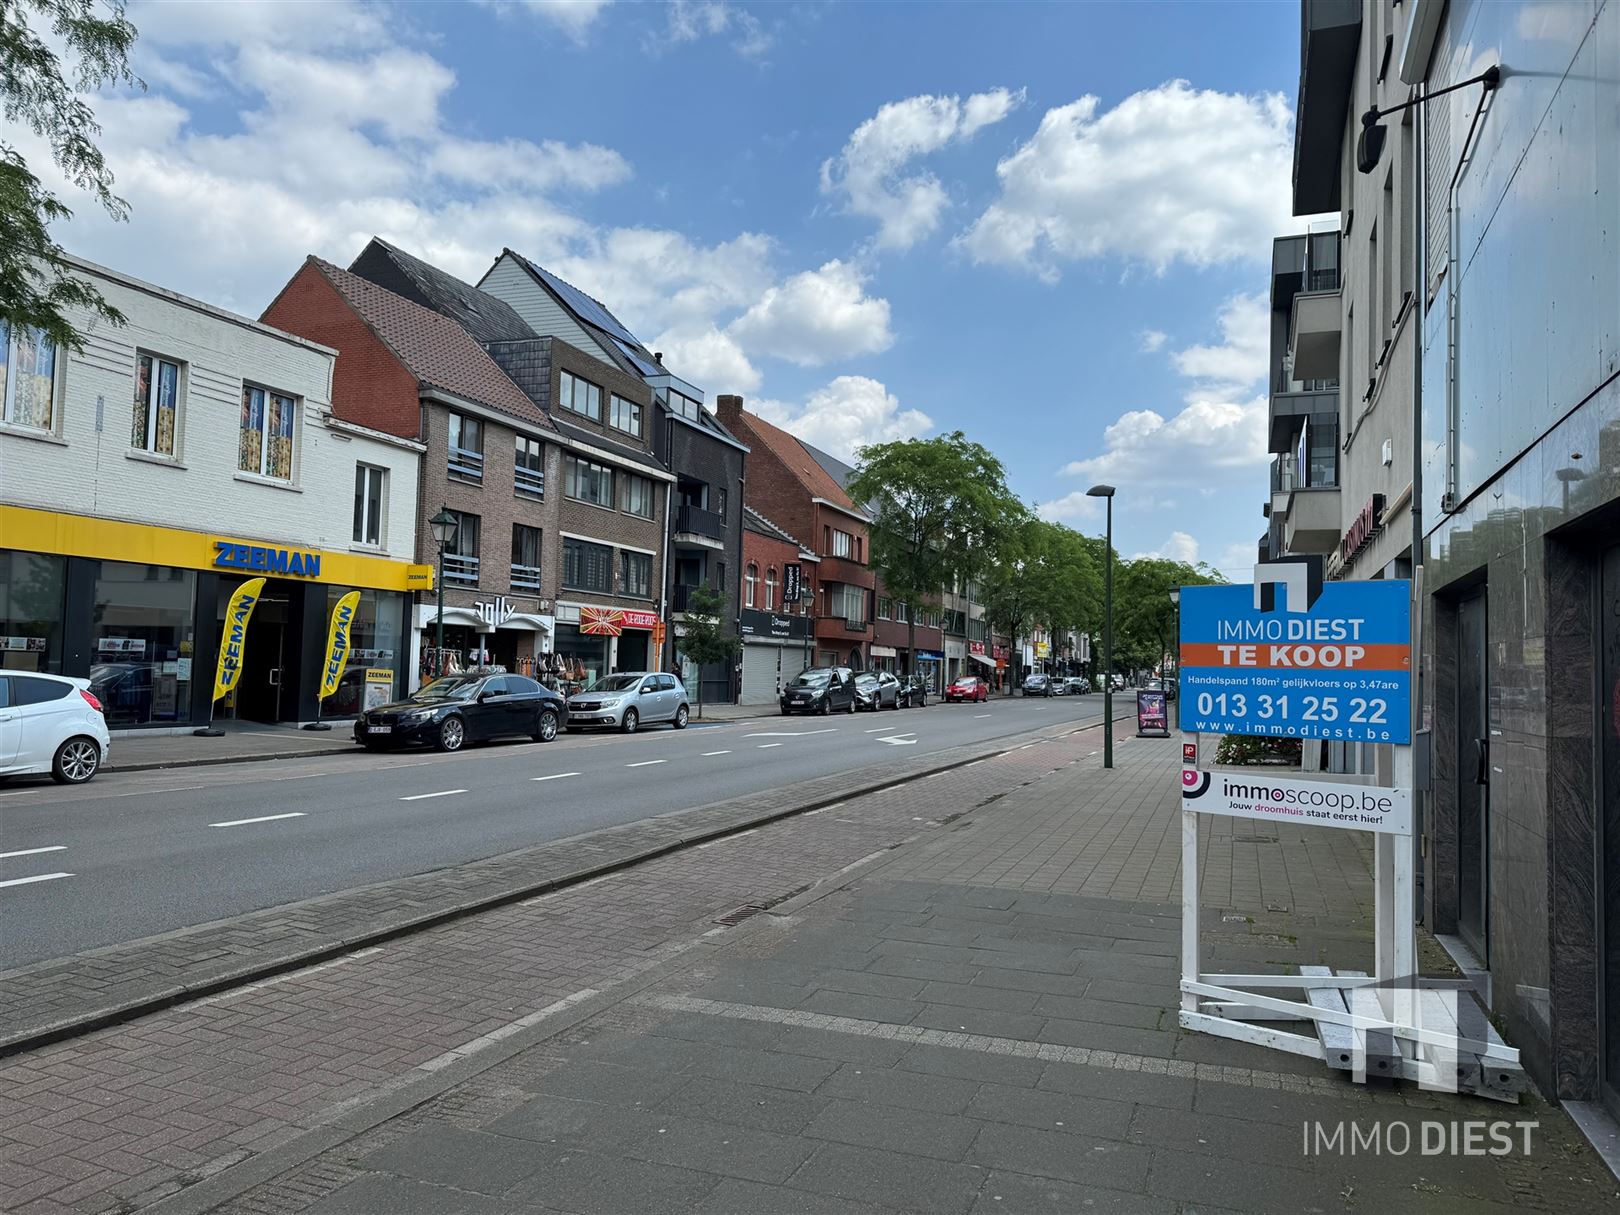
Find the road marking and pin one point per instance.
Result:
(267, 818)
(976, 716)
(706, 754)
(1025, 747)
(417, 797)
(43, 877)
(33, 851)
(792, 733)
(646, 763)
(165, 789)
(300, 776)
(884, 729)
(17, 792)
(763, 746)
(898, 740)
(554, 776)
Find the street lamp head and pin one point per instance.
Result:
(1175, 597)
(1100, 491)
(443, 526)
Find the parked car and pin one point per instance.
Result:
(1117, 682)
(1167, 686)
(820, 690)
(51, 723)
(877, 690)
(1037, 684)
(630, 700)
(914, 691)
(1059, 685)
(968, 687)
(453, 711)
(1077, 685)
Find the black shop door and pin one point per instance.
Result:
(1473, 777)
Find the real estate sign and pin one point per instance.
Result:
(1318, 803)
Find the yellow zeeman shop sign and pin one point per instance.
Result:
(43, 531)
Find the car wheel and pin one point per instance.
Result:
(76, 761)
(852, 706)
(826, 708)
(546, 728)
(631, 720)
(452, 734)
(681, 714)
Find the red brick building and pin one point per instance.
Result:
(788, 486)
(775, 629)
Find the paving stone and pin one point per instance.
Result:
(1105, 1012)
(957, 1018)
(973, 1065)
(905, 1089)
(609, 1083)
(732, 1197)
(551, 1119)
(996, 978)
(1071, 1113)
(589, 1183)
(653, 1053)
(866, 1008)
(847, 1048)
(752, 991)
(942, 1136)
(866, 983)
(892, 1179)
(450, 1156)
(379, 1195)
(770, 1109)
(722, 1148)
(1078, 1158)
(914, 968)
(772, 1069)
(977, 995)
(1240, 1184)
(1007, 1193)
(729, 1031)
(1137, 1088)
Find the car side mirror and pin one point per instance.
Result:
(647, 687)
(483, 696)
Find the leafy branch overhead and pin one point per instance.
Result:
(43, 94)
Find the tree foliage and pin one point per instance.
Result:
(1144, 617)
(705, 638)
(41, 93)
(941, 508)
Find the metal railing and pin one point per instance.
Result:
(524, 577)
(527, 481)
(460, 570)
(700, 522)
(464, 462)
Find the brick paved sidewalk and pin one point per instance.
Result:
(980, 1019)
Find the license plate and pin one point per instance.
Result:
(379, 729)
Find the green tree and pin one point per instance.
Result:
(940, 506)
(705, 638)
(1145, 618)
(41, 93)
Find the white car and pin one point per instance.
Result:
(51, 723)
(630, 700)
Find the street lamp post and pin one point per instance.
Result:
(1175, 602)
(1107, 491)
(807, 596)
(443, 525)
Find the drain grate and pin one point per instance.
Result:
(748, 910)
(1254, 839)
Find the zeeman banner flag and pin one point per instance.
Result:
(233, 640)
(338, 643)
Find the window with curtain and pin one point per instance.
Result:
(157, 405)
(466, 457)
(624, 415)
(265, 444)
(525, 557)
(750, 583)
(635, 574)
(587, 566)
(529, 467)
(27, 378)
(588, 482)
(638, 496)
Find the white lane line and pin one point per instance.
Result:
(706, 754)
(554, 776)
(792, 733)
(882, 729)
(165, 789)
(977, 716)
(646, 763)
(33, 851)
(763, 746)
(42, 877)
(266, 818)
(300, 776)
(17, 792)
(417, 797)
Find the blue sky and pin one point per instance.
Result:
(1046, 225)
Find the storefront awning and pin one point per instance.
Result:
(527, 623)
(982, 659)
(884, 651)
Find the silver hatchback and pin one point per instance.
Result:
(630, 700)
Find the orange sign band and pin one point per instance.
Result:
(1298, 655)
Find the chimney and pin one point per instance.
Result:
(658, 357)
(729, 408)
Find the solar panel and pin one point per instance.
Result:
(640, 362)
(587, 309)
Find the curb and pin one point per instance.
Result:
(77, 1025)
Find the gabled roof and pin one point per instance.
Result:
(486, 317)
(432, 347)
(836, 468)
(797, 456)
(755, 521)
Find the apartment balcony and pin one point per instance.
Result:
(682, 595)
(1313, 335)
(524, 578)
(1289, 411)
(1312, 524)
(699, 528)
(460, 570)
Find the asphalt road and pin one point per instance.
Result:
(132, 855)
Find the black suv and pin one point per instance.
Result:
(820, 690)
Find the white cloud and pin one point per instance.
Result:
(850, 412)
(1151, 340)
(1170, 174)
(520, 163)
(1207, 440)
(1240, 359)
(1179, 547)
(572, 17)
(867, 174)
(341, 23)
(708, 357)
(690, 20)
(1070, 508)
(816, 317)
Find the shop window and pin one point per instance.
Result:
(156, 420)
(525, 558)
(529, 468)
(638, 496)
(624, 415)
(588, 482)
(635, 574)
(466, 456)
(368, 505)
(31, 611)
(377, 647)
(27, 378)
(587, 566)
(750, 584)
(141, 666)
(770, 589)
(461, 552)
(265, 446)
(579, 396)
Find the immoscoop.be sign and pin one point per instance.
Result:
(1319, 803)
